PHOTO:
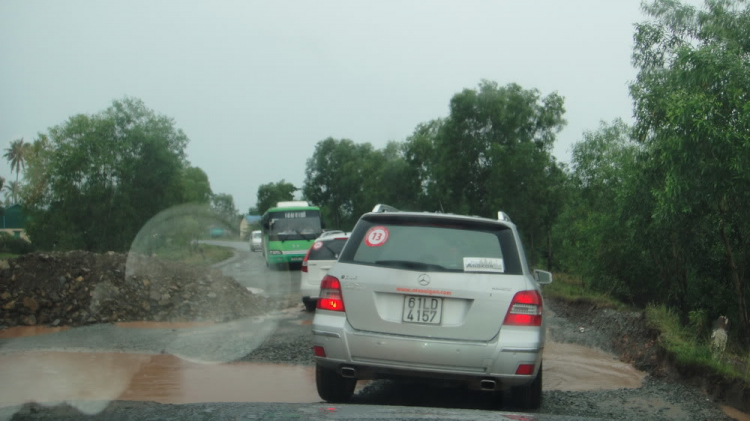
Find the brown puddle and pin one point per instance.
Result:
(735, 413)
(571, 367)
(163, 325)
(66, 376)
(21, 331)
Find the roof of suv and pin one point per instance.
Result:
(438, 215)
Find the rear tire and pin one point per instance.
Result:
(528, 396)
(310, 304)
(332, 387)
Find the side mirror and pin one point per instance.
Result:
(542, 277)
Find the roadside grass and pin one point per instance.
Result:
(690, 351)
(4, 256)
(573, 288)
(211, 254)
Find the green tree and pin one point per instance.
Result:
(693, 114)
(36, 182)
(493, 153)
(271, 193)
(102, 176)
(12, 192)
(195, 185)
(16, 155)
(348, 179)
(595, 235)
(223, 205)
(420, 157)
(333, 177)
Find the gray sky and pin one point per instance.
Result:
(255, 85)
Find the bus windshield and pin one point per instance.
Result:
(286, 226)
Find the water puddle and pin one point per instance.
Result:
(163, 325)
(571, 367)
(21, 331)
(71, 376)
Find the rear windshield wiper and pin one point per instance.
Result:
(409, 264)
(335, 255)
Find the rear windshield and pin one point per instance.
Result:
(328, 250)
(444, 246)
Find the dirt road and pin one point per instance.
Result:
(268, 359)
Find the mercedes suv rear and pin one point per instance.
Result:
(433, 296)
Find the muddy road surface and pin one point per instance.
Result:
(262, 368)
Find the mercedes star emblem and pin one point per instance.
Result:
(423, 279)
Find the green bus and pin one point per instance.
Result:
(289, 230)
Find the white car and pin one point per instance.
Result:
(256, 241)
(431, 296)
(319, 259)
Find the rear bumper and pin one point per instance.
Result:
(308, 287)
(276, 259)
(374, 355)
(308, 291)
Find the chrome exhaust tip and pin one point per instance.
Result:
(487, 384)
(348, 372)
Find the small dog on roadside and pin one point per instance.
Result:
(719, 337)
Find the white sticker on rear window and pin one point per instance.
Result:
(483, 264)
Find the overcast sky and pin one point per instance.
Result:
(255, 85)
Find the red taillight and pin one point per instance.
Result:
(525, 369)
(304, 262)
(330, 294)
(525, 309)
(319, 351)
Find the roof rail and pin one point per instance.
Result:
(502, 216)
(380, 208)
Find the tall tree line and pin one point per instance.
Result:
(94, 181)
(656, 212)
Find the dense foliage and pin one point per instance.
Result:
(659, 213)
(94, 181)
(654, 213)
(270, 194)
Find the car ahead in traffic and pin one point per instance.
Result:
(431, 296)
(256, 241)
(319, 259)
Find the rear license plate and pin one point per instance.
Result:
(418, 309)
(297, 259)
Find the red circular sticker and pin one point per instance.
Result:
(376, 236)
(317, 245)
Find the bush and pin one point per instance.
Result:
(13, 245)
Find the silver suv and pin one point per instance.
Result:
(432, 296)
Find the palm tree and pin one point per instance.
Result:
(16, 155)
(12, 191)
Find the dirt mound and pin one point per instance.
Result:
(77, 288)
